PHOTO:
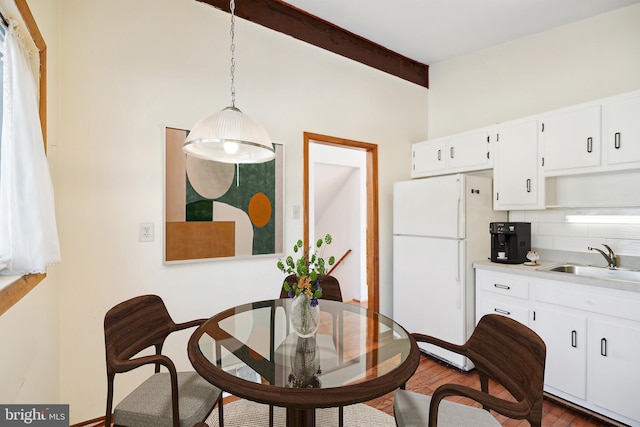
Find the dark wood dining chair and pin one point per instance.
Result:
(165, 398)
(502, 350)
(330, 291)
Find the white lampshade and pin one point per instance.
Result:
(229, 136)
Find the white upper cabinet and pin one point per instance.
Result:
(587, 139)
(571, 139)
(465, 152)
(517, 182)
(469, 150)
(621, 130)
(599, 136)
(428, 158)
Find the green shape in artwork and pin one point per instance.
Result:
(254, 178)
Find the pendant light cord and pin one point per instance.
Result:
(232, 8)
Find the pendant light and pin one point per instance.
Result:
(229, 136)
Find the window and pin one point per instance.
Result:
(16, 289)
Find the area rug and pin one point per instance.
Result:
(244, 413)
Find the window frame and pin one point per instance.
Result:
(16, 290)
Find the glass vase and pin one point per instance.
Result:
(304, 317)
(305, 364)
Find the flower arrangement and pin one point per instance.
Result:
(307, 268)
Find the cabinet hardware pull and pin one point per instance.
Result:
(574, 338)
(500, 311)
(617, 140)
(534, 316)
(529, 185)
(488, 155)
(451, 152)
(542, 162)
(589, 145)
(439, 155)
(603, 347)
(497, 137)
(542, 130)
(501, 286)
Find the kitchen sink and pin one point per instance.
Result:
(600, 272)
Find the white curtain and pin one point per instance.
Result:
(28, 233)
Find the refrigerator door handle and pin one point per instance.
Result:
(458, 281)
(458, 214)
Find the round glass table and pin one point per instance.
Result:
(252, 352)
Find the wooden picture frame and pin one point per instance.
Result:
(216, 210)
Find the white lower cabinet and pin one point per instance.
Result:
(592, 335)
(565, 334)
(612, 359)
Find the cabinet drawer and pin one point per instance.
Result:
(612, 302)
(495, 304)
(502, 283)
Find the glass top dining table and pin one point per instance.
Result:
(251, 351)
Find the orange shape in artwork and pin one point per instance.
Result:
(260, 209)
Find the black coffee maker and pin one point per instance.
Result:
(510, 241)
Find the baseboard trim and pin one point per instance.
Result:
(608, 421)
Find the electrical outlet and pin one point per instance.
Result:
(145, 232)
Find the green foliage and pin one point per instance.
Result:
(309, 264)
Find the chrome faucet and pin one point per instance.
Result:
(611, 257)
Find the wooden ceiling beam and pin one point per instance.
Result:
(286, 19)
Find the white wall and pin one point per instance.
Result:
(588, 60)
(130, 67)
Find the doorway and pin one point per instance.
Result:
(369, 188)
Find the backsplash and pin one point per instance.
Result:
(559, 240)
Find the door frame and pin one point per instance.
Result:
(373, 249)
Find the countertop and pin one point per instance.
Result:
(538, 271)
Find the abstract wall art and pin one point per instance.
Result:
(217, 210)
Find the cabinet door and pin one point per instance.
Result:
(572, 139)
(621, 119)
(565, 335)
(469, 151)
(428, 157)
(613, 355)
(516, 172)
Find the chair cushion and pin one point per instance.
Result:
(412, 409)
(150, 403)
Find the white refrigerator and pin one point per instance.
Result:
(440, 227)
